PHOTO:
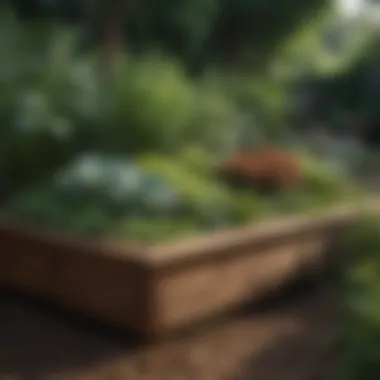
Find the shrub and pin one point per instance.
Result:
(360, 344)
(262, 101)
(328, 181)
(154, 106)
(149, 106)
(47, 93)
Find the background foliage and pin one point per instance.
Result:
(211, 76)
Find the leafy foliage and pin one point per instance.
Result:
(361, 335)
(155, 106)
(199, 32)
(46, 94)
(100, 195)
(325, 45)
(153, 197)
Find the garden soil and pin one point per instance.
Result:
(288, 337)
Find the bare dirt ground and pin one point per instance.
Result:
(288, 338)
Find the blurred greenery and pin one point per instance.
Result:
(54, 103)
(52, 87)
(162, 197)
(199, 32)
(193, 81)
(155, 106)
(45, 97)
(360, 295)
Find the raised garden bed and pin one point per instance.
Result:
(158, 288)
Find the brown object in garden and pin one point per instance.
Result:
(268, 169)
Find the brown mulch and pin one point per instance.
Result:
(288, 338)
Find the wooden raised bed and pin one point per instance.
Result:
(156, 289)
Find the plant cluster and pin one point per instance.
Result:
(158, 197)
(55, 107)
(360, 343)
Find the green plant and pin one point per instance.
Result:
(47, 95)
(150, 105)
(155, 106)
(330, 182)
(261, 101)
(150, 197)
(360, 344)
